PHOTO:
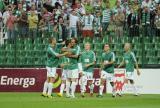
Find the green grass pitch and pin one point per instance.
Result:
(34, 100)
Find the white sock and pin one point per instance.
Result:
(68, 83)
(83, 84)
(91, 88)
(45, 87)
(62, 88)
(101, 89)
(134, 90)
(73, 88)
(50, 87)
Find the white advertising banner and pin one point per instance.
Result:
(147, 83)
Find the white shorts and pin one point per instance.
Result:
(64, 74)
(108, 76)
(51, 71)
(88, 75)
(130, 75)
(73, 73)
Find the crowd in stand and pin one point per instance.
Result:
(73, 18)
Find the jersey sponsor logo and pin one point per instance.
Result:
(24, 82)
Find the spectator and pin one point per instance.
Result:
(23, 24)
(73, 24)
(119, 22)
(157, 23)
(2, 5)
(48, 18)
(61, 29)
(33, 21)
(146, 21)
(88, 24)
(133, 23)
(10, 25)
(97, 25)
(106, 16)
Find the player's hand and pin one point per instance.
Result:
(87, 65)
(81, 74)
(138, 73)
(62, 65)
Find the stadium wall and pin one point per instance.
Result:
(32, 79)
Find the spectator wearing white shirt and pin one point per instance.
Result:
(73, 24)
(88, 25)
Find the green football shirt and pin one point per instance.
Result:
(108, 57)
(130, 60)
(87, 57)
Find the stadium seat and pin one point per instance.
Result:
(97, 40)
(27, 41)
(19, 41)
(125, 39)
(157, 46)
(153, 60)
(105, 39)
(150, 53)
(98, 60)
(147, 40)
(87, 39)
(136, 40)
(156, 40)
(10, 61)
(148, 46)
(98, 47)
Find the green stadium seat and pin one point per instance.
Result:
(156, 40)
(27, 41)
(139, 60)
(28, 47)
(87, 39)
(149, 46)
(98, 60)
(105, 39)
(2, 60)
(19, 41)
(97, 40)
(37, 41)
(10, 61)
(125, 39)
(150, 53)
(116, 40)
(153, 60)
(147, 40)
(99, 53)
(98, 47)
(136, 40)
(157, 46)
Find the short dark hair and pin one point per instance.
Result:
(67, 42)
(76, 40)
